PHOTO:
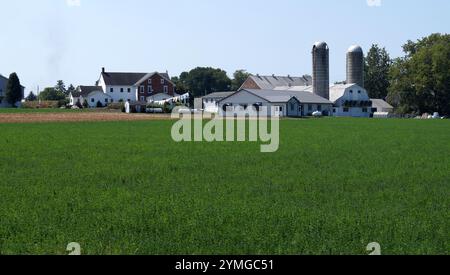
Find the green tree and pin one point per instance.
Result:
(202, 81)
(51, 94)
(60, 87)
(13, 92)
(70, 89)
(31, 97)
(239, 77)
(420, 81)
(376, 73)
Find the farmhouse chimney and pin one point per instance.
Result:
(103, 70)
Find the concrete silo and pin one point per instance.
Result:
(355, 66)
(321, 69)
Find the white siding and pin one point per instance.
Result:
(117, 95)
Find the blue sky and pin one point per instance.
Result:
(47, 40)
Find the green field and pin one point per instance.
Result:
(334, 186)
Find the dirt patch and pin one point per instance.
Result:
(77, 117)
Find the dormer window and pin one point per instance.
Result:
(150, 81)
(351, 91)
(162, 81)
(359, 92)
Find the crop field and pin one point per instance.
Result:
(334, 186)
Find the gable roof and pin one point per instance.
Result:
(84, 91)
(338, 90)
(274, 96)
(379, 103)
(149, 75)
(271, 82)
(122, 79)
(218, 95)
(129, 79)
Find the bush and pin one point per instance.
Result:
(85, 104)
(63, 102)
(41, 105)
(116, 106)
(99, 104)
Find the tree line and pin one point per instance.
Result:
(418, 82)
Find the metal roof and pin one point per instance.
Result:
(218, 95)
(275, 96)
(271, 82)
(379, 103)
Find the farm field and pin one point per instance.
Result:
(125, 187)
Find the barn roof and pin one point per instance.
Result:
(271, 82)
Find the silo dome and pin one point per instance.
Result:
(321, 45)
(355, 49)
(355, 65)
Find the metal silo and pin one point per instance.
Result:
(355, 66)
(321, 69)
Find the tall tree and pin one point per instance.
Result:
(13, 90)
(61, 87)
(420, 81)
(376, 73)
(31, 97)
(239, 77)
(202, 81)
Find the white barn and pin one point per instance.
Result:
(286, 103)
(350, 100)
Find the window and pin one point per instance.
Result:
(351, 91)
(334, 110)
(292, 107)
(319, 108)
(359, 92)
(166, 89)
(141, 89)
(149, 81)
(142, 98)
(111, 90)
(129, 100)
(129, 90)
(121, 90)
(150, 89)
(92, 100)
(281, 109)
(162, 81)
(106, 100)
(345, 110)
(364, 110)
(0, 101)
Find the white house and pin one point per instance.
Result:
(3, 84)
(350, 100)
(286, 103)
(92, 94)
(131, 87)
